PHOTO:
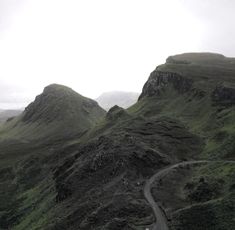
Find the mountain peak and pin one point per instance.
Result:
(59, 110)
(54, 100)
(57, 88)
(121, 98)
(116, 112)
(197, 74)
(57, 101)
(197, 58)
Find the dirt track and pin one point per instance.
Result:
(161, 221)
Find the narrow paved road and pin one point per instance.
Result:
(161, 221)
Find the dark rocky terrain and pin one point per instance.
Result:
(123, 99)
(86, 169)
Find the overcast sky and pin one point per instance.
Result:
(95, 46)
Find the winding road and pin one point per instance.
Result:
(161, 221)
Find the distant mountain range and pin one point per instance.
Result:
(166, 162)
(6, 114)
(120, 98)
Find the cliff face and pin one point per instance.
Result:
(160, 81)
(196, 75)
(223, 95)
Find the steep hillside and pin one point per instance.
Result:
(123, 99)
(197, 90)
(175, 143)
(200, 95)
(59, 112)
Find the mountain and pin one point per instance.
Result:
(58, 112)
(172, 151)
(120, 98)
(198, 90)
(6, 114)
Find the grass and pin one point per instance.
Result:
(218, 213)
(218, 171)
(40, 212)
(30, 202)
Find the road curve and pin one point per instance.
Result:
(161, 221)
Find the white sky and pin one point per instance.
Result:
(95, 46)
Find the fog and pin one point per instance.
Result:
(97, 46)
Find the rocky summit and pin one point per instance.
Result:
(167, 162)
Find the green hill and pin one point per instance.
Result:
(59, 112)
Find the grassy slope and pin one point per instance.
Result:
(29, 150)
(216, 209)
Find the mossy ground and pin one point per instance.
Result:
(217, 212)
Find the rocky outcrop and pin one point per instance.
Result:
(159, 81)
(223, 95)
(115, 113)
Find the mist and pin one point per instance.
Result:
(98, 46)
